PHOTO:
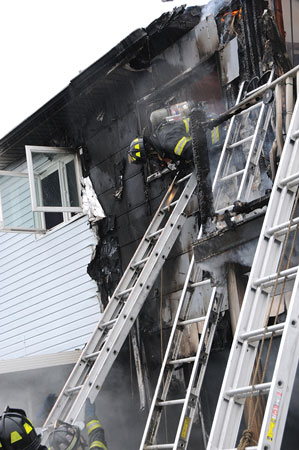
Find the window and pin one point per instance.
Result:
(49, 190)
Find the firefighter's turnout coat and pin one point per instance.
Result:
(172, 139)
(96, 434)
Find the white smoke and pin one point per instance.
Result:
(213, 7)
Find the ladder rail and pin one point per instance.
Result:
(254, 141)
(257, 155)
(225, 145)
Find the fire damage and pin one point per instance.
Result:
(211, 60)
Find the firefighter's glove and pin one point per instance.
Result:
(90, 410)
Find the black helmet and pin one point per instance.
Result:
(137, 153)
(65, 437)
(17, 432)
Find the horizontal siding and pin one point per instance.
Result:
(48, 301)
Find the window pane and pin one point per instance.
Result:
(53, 219)
(16, 203)
(51, 195)
(72, 184)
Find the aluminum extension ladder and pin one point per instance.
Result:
(123, 308)
(267, 271)
(243, 178)
(190, 401)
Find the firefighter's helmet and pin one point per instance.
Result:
(137, 153)
(17, 432)
(66, 437)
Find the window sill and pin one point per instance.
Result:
(59, 226)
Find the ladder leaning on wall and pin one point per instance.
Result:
(96, 359)
(272, 268)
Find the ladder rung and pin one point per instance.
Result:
(247, 391)
(107, 324)
(232, 175)
(282, 229)
(200, 283)
(182, 360)
(124, 292)
(165, 208)
(189, 321)
(154, 234)
(258, 334)
(242, 141)
(179, 401)
(91, 355)
(158, 446)
(290, 181)
(138, 263)
(183, 179)
(73, 389)
(289, 273)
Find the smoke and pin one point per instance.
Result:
(213, 7)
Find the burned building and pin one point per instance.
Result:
(61, 263)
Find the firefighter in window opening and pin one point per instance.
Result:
(17, 432)
(68, 437)
(170, 139)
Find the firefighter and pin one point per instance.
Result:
(68, 437)
(169, 142)
(17, 432)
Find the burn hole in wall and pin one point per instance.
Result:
(105, 267)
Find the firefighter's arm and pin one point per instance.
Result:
(94, 428)
(96, 434)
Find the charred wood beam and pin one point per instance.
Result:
(202, 168)
(273, 36)
(247, 207)
(228, 238)
(251, 35)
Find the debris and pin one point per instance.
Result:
(90, 203)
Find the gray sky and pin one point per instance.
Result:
(46, 43)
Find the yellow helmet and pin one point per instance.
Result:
(137, 153)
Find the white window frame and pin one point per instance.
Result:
(63, 185)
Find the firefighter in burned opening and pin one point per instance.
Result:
(170, 139)
(17, 432)
(69, 437)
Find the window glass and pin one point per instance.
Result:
(15, 203)
(50, 190)
(53, 219)
(72, 183)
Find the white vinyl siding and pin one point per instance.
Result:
(48, 301)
